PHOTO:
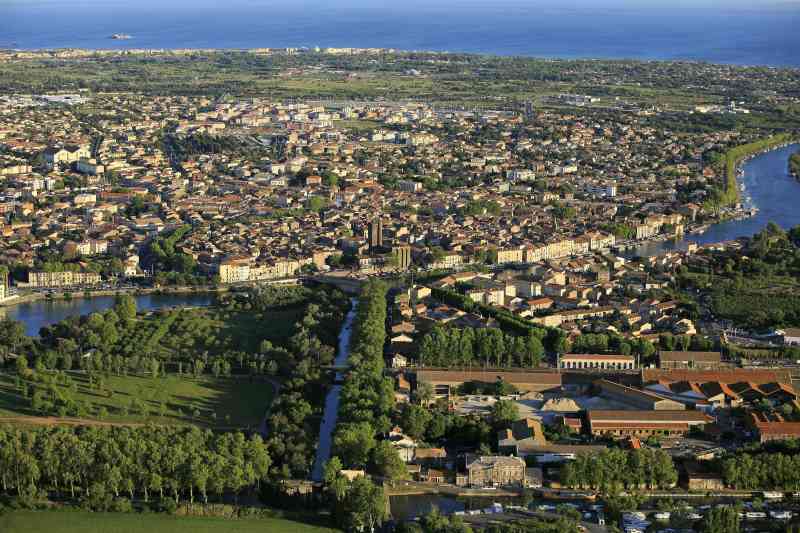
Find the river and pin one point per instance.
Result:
(40, 313)
(332, 400)
(767, 186)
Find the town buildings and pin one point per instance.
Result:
(791, 336)
(342, 206)
(768, 430)
(62, 279)
(636, 398)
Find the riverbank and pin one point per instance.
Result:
(735, 157)
(769, 189)
(80, 521)
(794, 165)
(36, 312)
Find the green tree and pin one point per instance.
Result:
(414, 420)
(336, 485)
(386, 462)
(364, 506)
(353, 443)
(12, 333)
(125, 307)
(534, 350)
(22, 366)
(722, 519)
(504, 413)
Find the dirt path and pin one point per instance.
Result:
(276, 389)
(56, 421)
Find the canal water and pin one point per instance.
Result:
(40, 313)
(414, 506)
(331, 411)
(768, 186)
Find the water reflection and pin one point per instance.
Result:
(769, 187)
(40, 313)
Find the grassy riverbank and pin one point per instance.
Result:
(734, 157)
(794, 165)
(75, 295)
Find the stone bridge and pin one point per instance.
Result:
(344, 283)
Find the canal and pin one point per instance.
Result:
(331, 412)
(768, 186)
(40, 313)
(409, 507)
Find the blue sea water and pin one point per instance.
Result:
(751, 33)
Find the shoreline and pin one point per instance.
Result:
(67, 52)
(730, 214)
(734, 161)
(794, 165)
(738, 173)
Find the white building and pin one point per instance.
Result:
(597, 361)
(409, 186)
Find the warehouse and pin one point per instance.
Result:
(444, 381)
(644, 423)
(689, 360)
(636, 398)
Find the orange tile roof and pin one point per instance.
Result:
(723, 376)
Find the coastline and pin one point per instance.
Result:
(13, 51)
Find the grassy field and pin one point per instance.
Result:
(185, 332)
(85, 522)
(175, 338)
(236, 401)
(288, 77)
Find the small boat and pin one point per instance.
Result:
(120, 36)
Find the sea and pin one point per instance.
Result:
(732, 32)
